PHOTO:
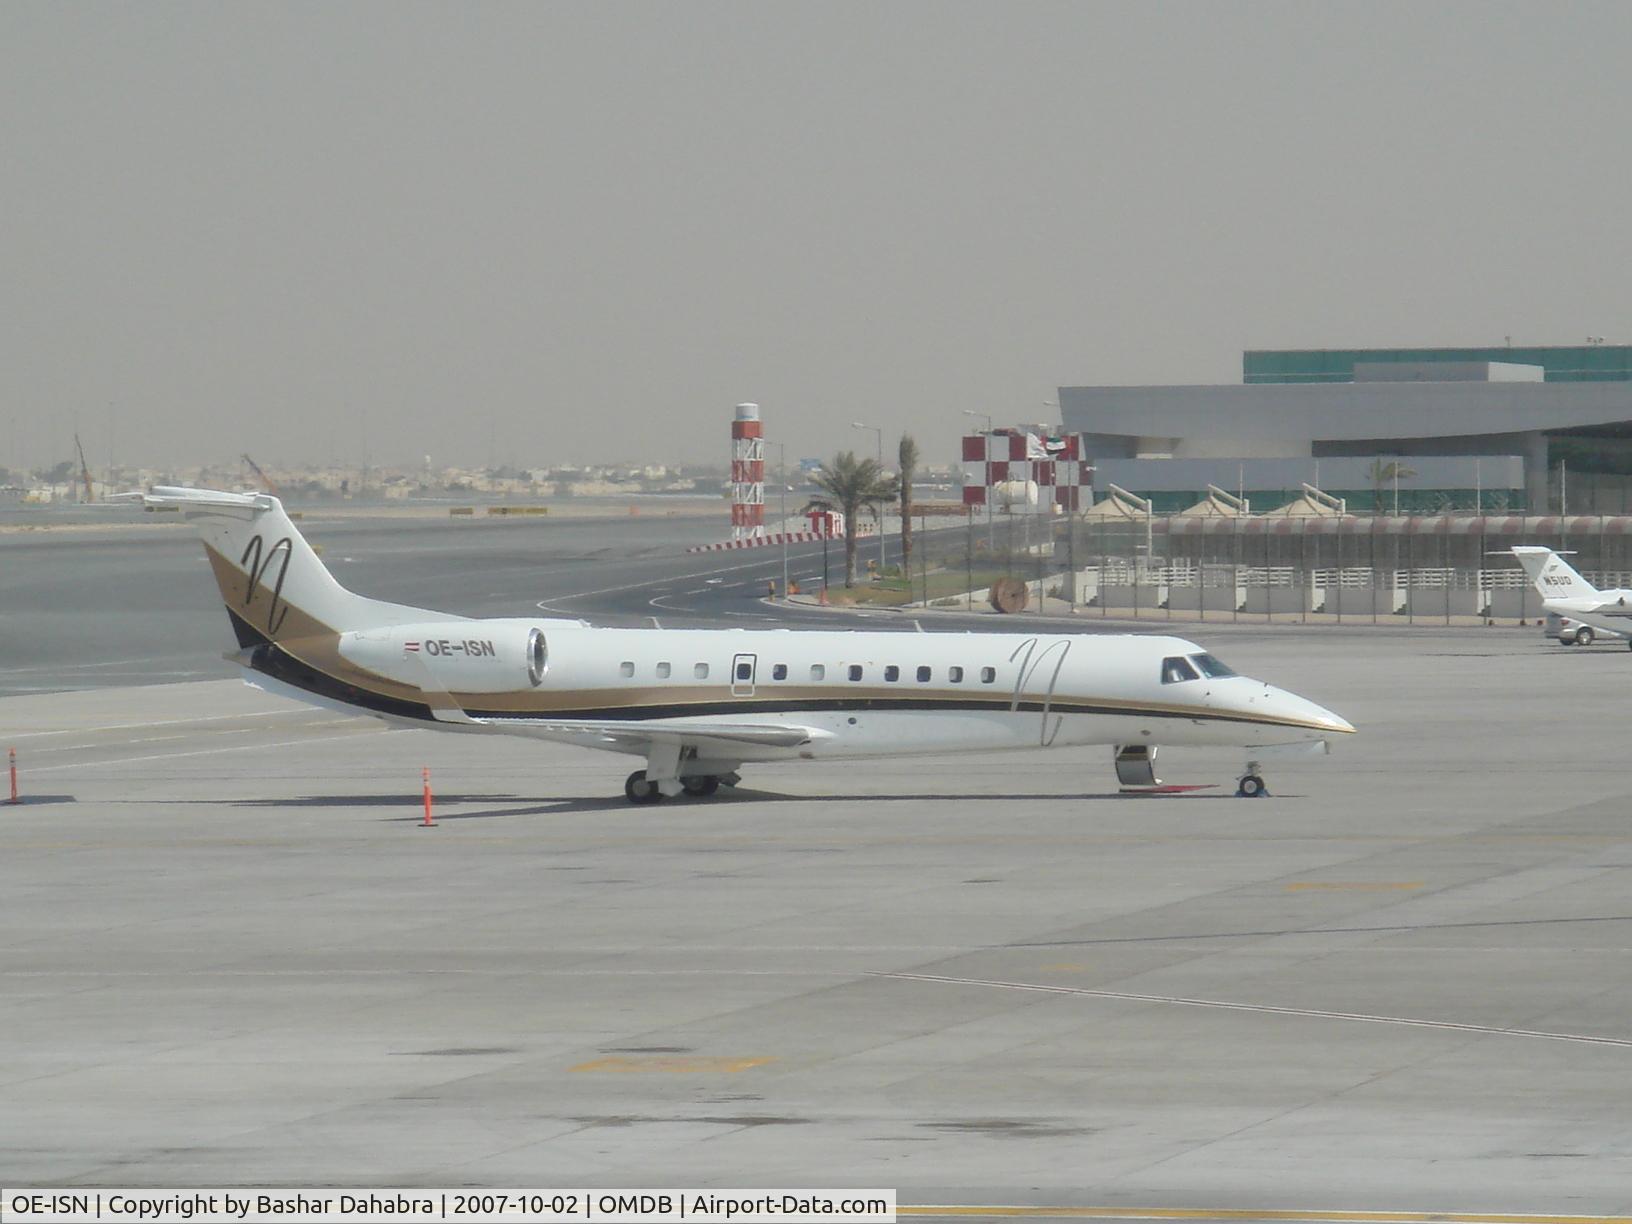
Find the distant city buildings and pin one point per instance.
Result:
(340, 482)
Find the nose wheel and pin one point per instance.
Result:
(1251, 784)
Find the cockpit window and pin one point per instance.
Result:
(1212, 667)
(1177, 668)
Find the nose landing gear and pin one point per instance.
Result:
(1251, 784)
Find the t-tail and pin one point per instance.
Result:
(275, 587)
(303, 635)
(1553, 576)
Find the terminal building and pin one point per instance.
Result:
(1437, 428)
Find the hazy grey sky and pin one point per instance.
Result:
(579, 232)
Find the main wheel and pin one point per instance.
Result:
(1584, 636)
(1251, 787)
(639, 790)
(701, 787)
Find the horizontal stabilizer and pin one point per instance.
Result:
(163, 495)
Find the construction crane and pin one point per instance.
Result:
(271, 486)
(84, 471)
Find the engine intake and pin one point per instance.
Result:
(453, 656)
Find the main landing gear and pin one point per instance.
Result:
(1251, 784)
(641, 789)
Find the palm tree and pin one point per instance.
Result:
(1383, 473)
(907, 460)
(849, 483)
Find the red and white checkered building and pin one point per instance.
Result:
(1056, 464)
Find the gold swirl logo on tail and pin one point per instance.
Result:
(255, 566)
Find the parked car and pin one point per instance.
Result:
(1568, 632)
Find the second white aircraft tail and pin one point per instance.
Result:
(1553, 576)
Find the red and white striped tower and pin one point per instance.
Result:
(747, 474)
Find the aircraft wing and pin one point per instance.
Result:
(1609, 617)
(638, 736)
(627, 735)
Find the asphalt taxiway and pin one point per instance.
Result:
(232, 956)
(133, 602)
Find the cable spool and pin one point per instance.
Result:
(1008, 595)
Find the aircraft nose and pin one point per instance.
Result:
(1336, 721)
(1318, 716)
(1287, 710)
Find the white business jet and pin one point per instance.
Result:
(700, 704)
(1585, 610)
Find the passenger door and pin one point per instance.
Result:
(742, 675)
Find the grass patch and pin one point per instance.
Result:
(893, 590)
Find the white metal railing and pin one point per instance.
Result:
(1122, 571)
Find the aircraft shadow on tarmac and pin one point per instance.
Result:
(414, 803)
(414, 799)
(563, 805)
(1027, 797)
(544, 809)
(411, 804)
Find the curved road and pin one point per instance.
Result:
(133, 602)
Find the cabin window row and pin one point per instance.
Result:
(626, 669)
(924, 675)
(818, 671)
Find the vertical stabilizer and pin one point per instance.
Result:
(1553, 576)
(275, 587)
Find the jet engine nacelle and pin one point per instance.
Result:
(453, 656)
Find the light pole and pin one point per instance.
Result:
(1053, 535)
(991, 530)
(782, 479)
(880, 509)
